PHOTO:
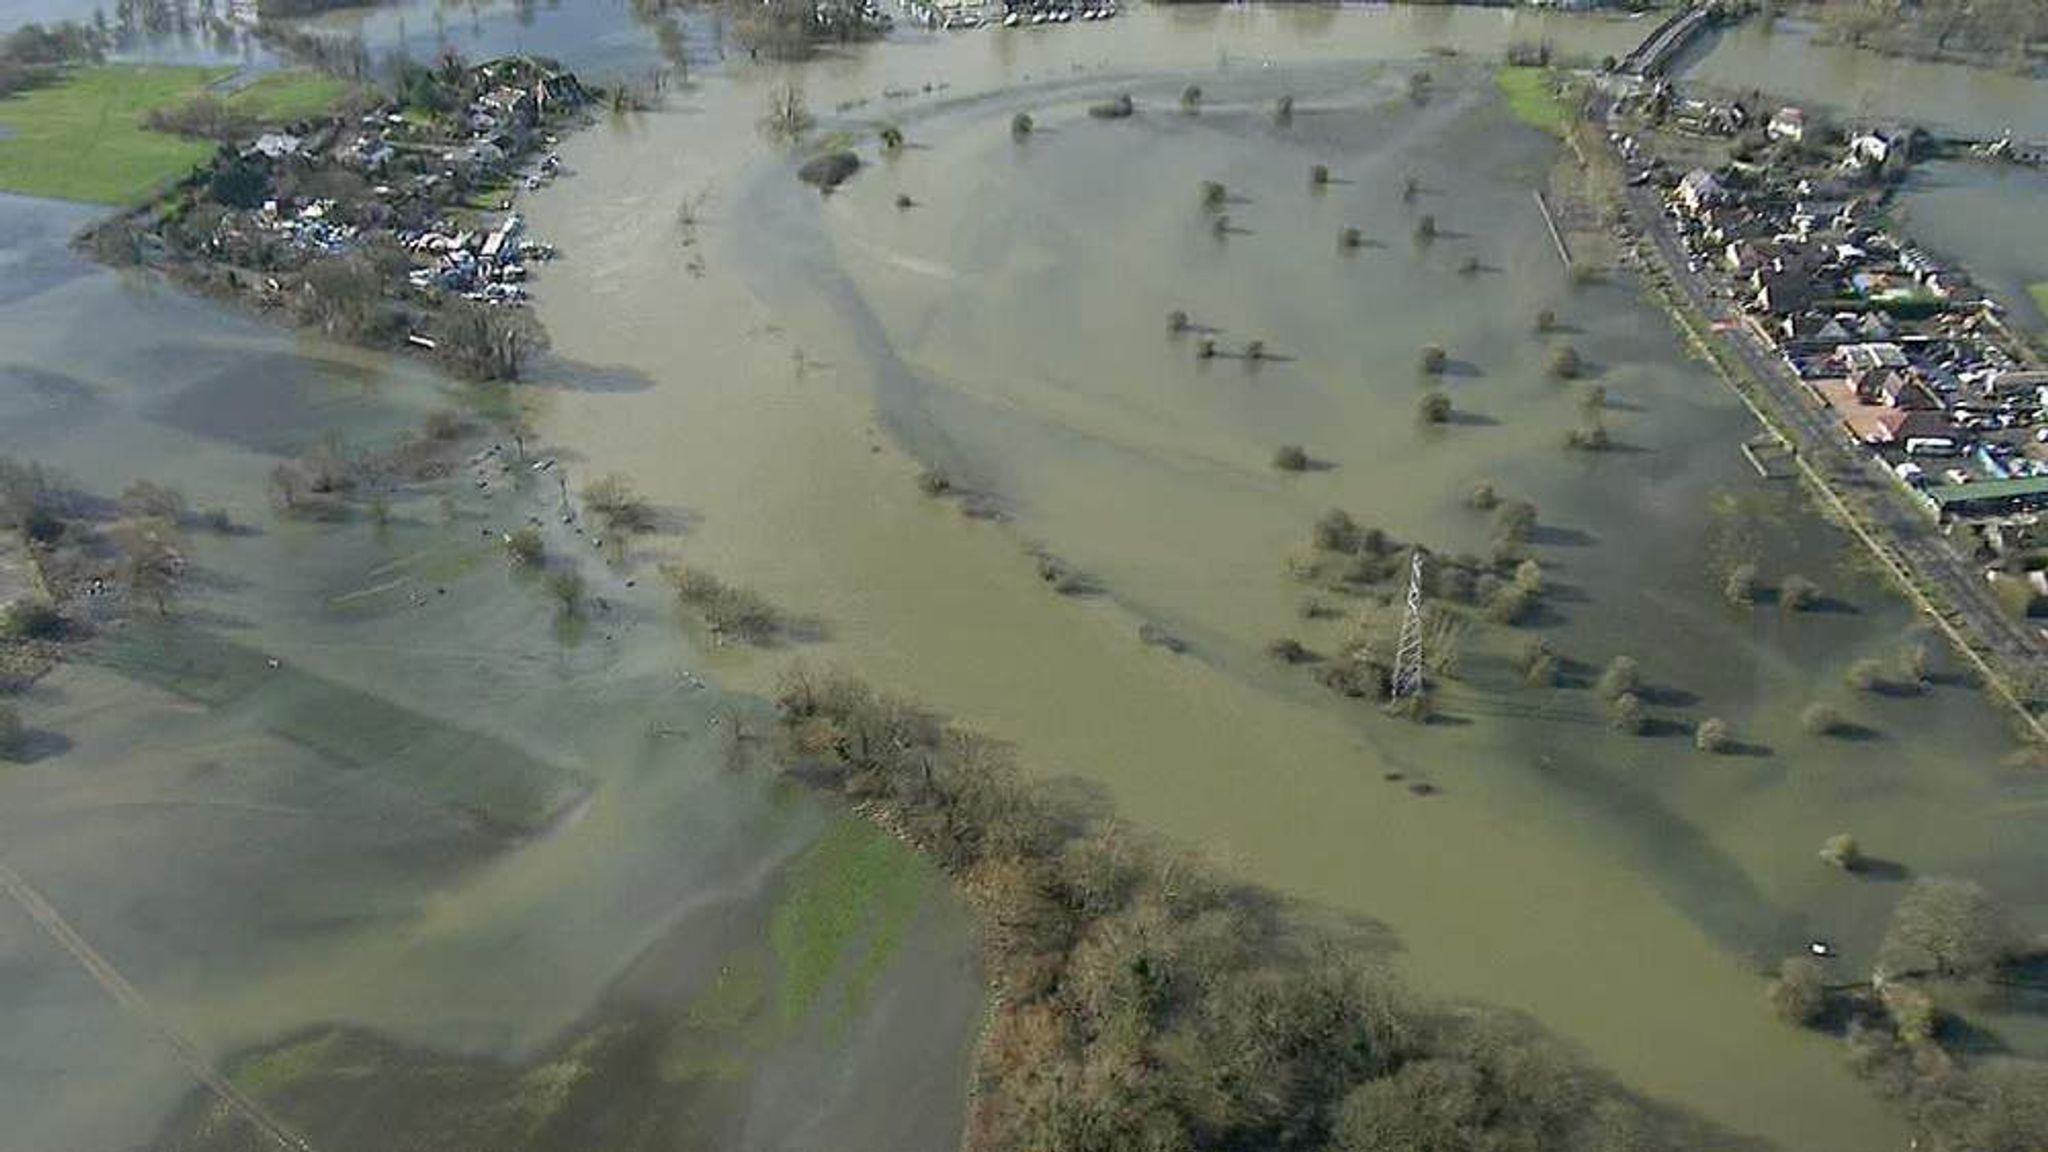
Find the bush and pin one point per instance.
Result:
(1214, 195)
(1469, 266)
(1318, 175)
(1741, 586)
(1283, 111)
(1799, 994)
(1622, 677)
(1425, 228)
(1434, 407)
(1350, 239)
(1841, 850)
(1865, 675)
(1021, 125)
(1625, 713)
(1291, 458)
(1798, 593)
(934, 482)
(1336, 531)
(1712, 735)
(891, 137)
(566, 586)
(1546, 320)
(613, 500)
(1433, 360)
(525, 547)
(13, 736)
(1821, 720)
(1565, 363)
(1288, 650)
(1191, 98)
(1176, 322)
(1113, 109)
(1482, 497)
(35, 619)
(726, 609)
(1592, 436)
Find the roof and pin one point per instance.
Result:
(2018, 488)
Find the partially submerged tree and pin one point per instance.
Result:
(1798, 593)
(1291, 458)
(1822, 720)
(1799, 994)
(1842, 851)
(1621, 677)
(1434, 407)
(1433, 360)
(786, 116)
(1712, 735)
(614, 501)
(1021, 125)
(1952, 926)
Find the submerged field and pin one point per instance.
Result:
(1002, 305)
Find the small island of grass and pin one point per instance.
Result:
(82, 138)
(1532, 97)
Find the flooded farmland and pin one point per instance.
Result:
(804, 359)
(452, 838)
(362, 793)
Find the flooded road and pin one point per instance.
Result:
(364, 777)
(792, 365)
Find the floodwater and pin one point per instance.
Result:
(444, 819)
(1989, 218)
(1781, 58)
(784, 367)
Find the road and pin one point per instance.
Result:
(1904, 537)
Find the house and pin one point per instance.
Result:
(1700, 189)
(1787, 124)
(1902, 424)
(1782, 292)
(275, 145)
(1861, 357)
(1990, 497)
(1893, 388)
(1815, 328)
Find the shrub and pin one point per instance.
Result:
(1214, 195)
(1255, 350)
(1291, 458)
(1712, 735)
(1821, 720)
(1482, 497)
(1191, 98)
(1798, 593)
(1546, 320)
(891, 137)
(566, 586)
(1021, 125)
(13, 736)
(1469, 266)
(1627, 714)
(35, 619)
(904, 203)
(1433, 360)
(1740, 587)
(1622, 677)
(1842, 851)
(1206, 348)
(1318, 175)
(1425, 228)
(525, 547)
(1541, 670)
(1283, 111)
(934, 482)
(1511, 603)
(1592, 436)
(1865, 675)
(1116, 108)
(1176, 322)
(1799, 994)
(1350, 239)
(1434, 407)
(726, 609)
(1593, 401)
(1565, 363)
(1288, 650)
(613, 500)
(1336, 531)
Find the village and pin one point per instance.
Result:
(1779, 219)
(373, 223)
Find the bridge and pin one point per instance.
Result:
(1667, 40)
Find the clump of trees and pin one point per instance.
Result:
(1140, 997)
(1740, 587)
(1799, 995)
(614, 501)
(727, 610)
(1627, 714)
(478, 342)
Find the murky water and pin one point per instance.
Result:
(1782, 59)
(1990, 218)
(1628, 892)
(443, 817)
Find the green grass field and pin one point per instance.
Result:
(2040, 294)
(1531, 98)
(851, 896)
(82, 138)
(293, 94)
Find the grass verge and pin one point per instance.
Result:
(293, 94)
(850, 896)
(82, 138)
(1532, 98)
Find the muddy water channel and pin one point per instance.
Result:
(784, 366)
(406, 854)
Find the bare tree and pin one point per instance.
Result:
(788, 113)
(1953, 925)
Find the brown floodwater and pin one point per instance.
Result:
(784, 375)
